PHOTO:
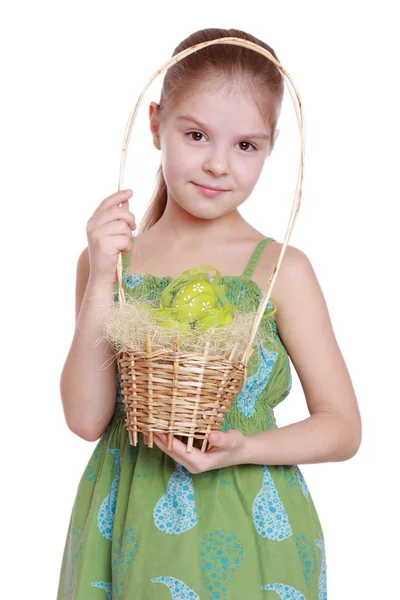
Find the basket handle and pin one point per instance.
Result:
(235, 41)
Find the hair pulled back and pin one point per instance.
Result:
(217, 62)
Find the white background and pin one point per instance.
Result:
(71, 74)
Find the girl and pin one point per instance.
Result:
(238, 521)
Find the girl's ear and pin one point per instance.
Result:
(155, 124)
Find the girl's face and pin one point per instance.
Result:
(211, 138)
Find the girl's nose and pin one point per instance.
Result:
(218, 164)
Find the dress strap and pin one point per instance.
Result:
(251, 265)
(126, 258)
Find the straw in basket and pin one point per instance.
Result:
(189, 393)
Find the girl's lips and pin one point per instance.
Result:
(207, 192)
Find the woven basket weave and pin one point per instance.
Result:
(181, 393)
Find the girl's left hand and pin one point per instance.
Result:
(228, 448)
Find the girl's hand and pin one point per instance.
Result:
(109, 232)
(228, 449)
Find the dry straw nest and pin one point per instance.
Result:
(184, 383)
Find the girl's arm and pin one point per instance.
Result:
(333, 431)
(88, 390)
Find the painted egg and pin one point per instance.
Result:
(191, 291)
(197, 307)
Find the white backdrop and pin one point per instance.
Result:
(73, 73)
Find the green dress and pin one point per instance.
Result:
(144, 528)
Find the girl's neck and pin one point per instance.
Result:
(177, 224)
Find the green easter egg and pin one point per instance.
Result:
(196, 308)
(203, 303)
(191, 291)
(186, 314)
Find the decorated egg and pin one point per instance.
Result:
(192, 290)
(194, 300)
(196, 308)
(188, 305)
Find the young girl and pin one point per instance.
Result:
(237, 522)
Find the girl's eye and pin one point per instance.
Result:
(249, 144)
(195, 132)
(202, 135)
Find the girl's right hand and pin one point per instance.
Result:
(109, 232)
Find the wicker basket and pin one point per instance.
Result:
(181, 393)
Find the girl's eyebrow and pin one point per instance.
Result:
(186, 117)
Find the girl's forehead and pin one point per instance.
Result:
(223, 92)
(206, 110)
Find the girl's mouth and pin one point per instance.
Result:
(207, 192)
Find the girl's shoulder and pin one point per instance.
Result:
(295, 270)
(296, 293)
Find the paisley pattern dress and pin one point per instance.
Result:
(143, 528)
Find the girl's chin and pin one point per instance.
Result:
(201, 207)
(202, 214)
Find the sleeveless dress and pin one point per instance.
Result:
(144, 528)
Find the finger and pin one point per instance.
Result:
(118, 227)
(217, 439)
(177, 445)
(120, 243)
(160, 444)
(114, 200)
(117, 215)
